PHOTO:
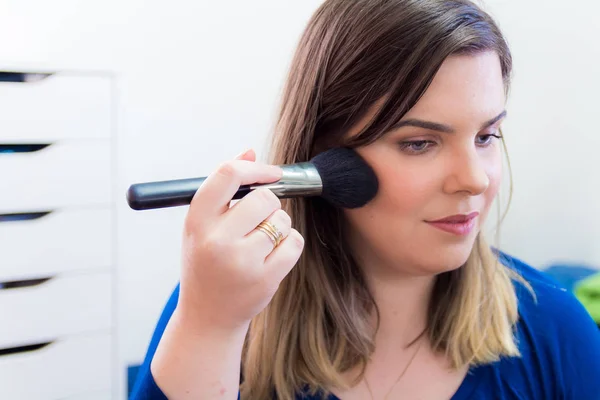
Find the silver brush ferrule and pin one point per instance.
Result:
(301, 179)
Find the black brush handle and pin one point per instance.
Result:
(162, 194)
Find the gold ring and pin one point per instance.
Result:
(271, 231)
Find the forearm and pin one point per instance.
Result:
(192, 362)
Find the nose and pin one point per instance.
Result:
(466, 174)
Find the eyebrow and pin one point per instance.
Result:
(434, 126)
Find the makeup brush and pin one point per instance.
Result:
(339, 176)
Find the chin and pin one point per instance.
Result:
(444, 258)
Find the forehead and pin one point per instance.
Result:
(465, 87)
(466, 91)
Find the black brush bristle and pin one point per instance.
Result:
(348, 181)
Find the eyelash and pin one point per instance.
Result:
(406, 146)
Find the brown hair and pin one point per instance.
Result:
(353, 54)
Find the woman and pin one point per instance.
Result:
(401, 298)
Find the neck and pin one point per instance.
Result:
(402, 298)
(403, 303)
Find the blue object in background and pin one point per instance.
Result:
(569, 274)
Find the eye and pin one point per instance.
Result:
(486, 140)
(416, 146)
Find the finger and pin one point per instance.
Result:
(260, 242)
(285, 256)
(255, 207)
(214, 195)
(248, 155)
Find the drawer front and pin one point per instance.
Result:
(63, 369)
(54, 107)
(52, 309)
(65, 174)
(40, 244)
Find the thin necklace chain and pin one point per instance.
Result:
(399, 377)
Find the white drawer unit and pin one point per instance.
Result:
(57, 236)
(64, 174)
(41, 310)
(49, 243)
(90, 396)
(67, 368)
(41, 107)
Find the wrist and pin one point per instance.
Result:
(194, 323)
(196, 360)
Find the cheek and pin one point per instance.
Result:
(399, 200)
(403, 187)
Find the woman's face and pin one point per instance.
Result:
(438, 173)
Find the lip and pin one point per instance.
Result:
(460, 224)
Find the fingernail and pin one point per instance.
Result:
(243, 153)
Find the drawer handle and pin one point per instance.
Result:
(22, 148)
(22, 77)
(12, 217)
(23, 283)
(24, 349)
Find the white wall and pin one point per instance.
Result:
(198, 83)
(552, 132)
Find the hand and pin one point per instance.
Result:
(230, 270)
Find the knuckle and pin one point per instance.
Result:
(269, 197)
(296, 238)
(282, 221)
(227, 169)
(284, 218)
(216, 246)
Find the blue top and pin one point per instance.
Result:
(559, 343)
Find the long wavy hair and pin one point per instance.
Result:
(352, 54)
